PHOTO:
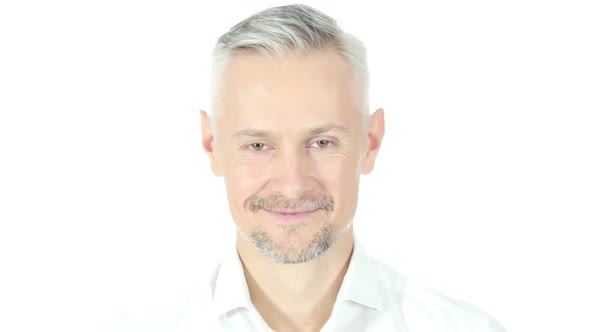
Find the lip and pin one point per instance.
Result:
(289, 216)
(288, 211)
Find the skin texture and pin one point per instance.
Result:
(289, 136)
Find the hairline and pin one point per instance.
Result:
(307, 31)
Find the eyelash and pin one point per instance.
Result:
(330, 143)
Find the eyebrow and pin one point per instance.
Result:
(257, 133)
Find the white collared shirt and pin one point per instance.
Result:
(373, 297)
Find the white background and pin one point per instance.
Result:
(481, 190)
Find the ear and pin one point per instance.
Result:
(208, 143)
(375, 132)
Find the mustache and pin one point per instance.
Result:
(277, 201)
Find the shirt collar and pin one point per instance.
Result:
(231, 290)
(360, 283)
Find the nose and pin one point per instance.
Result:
(292, 173)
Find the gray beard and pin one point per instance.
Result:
(286, 252)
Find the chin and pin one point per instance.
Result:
(294, 244)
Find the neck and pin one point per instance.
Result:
(295, 295)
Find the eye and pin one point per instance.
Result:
(322, 143)
(256, 146)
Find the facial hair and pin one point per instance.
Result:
(287, 252)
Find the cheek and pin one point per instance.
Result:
(337, 169)
(244, 177)
(252, 169)
(340, 177)
(331, 172)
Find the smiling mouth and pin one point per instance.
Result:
(290, 215)
(286, 211)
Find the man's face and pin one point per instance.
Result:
(290, 145)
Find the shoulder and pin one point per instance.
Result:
(190, 312)
(426, 309)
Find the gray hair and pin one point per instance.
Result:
(298, 29)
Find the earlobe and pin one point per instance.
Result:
(207, 142)
(375, 134)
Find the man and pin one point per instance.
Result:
(290, 132)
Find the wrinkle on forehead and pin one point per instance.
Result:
(259, 133)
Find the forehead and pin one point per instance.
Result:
(290, 88)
